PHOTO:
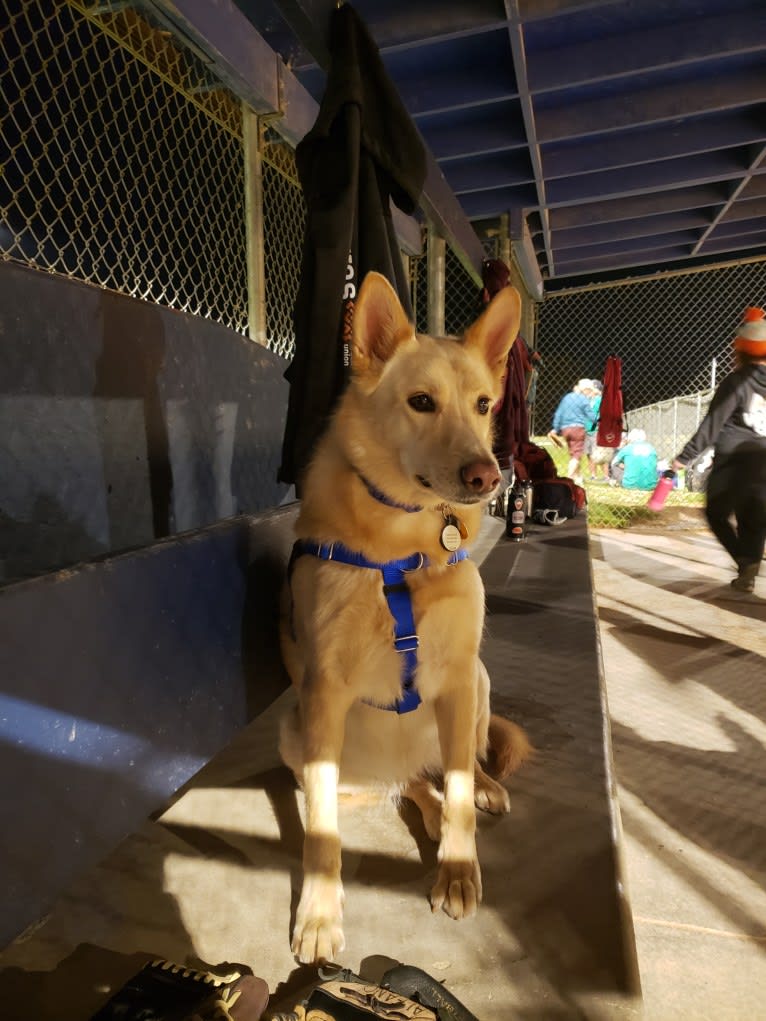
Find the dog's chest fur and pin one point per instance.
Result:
(342, 616)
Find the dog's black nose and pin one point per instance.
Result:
(480, 476)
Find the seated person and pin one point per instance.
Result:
(639, 460)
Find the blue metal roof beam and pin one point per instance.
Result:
(566, 67)
(439, 77)
(647, 226)
(664, 175)
(652, 257)
(628, 246)
(699, 197)
(454, 137)
(485, 173)
(516, 38)
(668, 141)
(746, 243)
(744, 209)
(649, 106)
(482, 204)
(400, 24)
(756, 164)
(740, 228)
(532, 10)
(755, 188)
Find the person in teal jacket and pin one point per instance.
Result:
(640, 460)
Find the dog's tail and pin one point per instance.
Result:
(509, 747)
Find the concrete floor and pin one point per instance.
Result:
(213, 880)
(686, 679)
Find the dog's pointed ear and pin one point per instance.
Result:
(496, 329)
(380, 325)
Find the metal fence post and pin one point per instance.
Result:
(675, 424)
(504, 240)
(436, 259)
(254, 225)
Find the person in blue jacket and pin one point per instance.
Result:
(640, 460)
(573, 416)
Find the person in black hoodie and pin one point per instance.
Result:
(735, 425)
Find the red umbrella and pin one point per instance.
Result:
(610, 415)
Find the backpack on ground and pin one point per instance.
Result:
(536, 463)
(561, 494)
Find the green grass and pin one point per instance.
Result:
(613, 507)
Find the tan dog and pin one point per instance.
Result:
(403, 471)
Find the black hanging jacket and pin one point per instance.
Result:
(362, 151)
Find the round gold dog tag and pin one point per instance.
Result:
(450, 537)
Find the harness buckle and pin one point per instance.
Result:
(406, 643)
(421, 563)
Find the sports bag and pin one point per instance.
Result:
(562, 495)
(537, 462)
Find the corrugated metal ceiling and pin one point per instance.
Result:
(627, 135)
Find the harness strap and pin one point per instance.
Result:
(399, 600)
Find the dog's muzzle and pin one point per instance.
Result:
(480, 478)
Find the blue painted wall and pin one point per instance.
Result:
(119, 680)
(123, 422)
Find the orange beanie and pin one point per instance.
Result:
(750, 338)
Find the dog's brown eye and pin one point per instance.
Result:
(422, 402)
(482, 405)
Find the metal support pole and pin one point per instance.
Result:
(407, 267)
(436, 258)
(504, 246)
(675, 424)
(254, 226)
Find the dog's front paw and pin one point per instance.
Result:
(457, 889)
(318, 932)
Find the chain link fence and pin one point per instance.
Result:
(462, 302)
(673, 334)
(123, 166)
(284, 217)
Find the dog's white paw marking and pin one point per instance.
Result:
(490, 796)
(318, 933)
(457, 889)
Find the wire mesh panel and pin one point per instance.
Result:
(461, 293)
(113, 173)
(673, 334)
(419, 290)
(284, 224)
(461, 296)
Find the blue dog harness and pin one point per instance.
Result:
(399, 602)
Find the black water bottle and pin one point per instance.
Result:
(515, 519)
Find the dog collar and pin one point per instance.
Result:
(399, 600)
(377, 494)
